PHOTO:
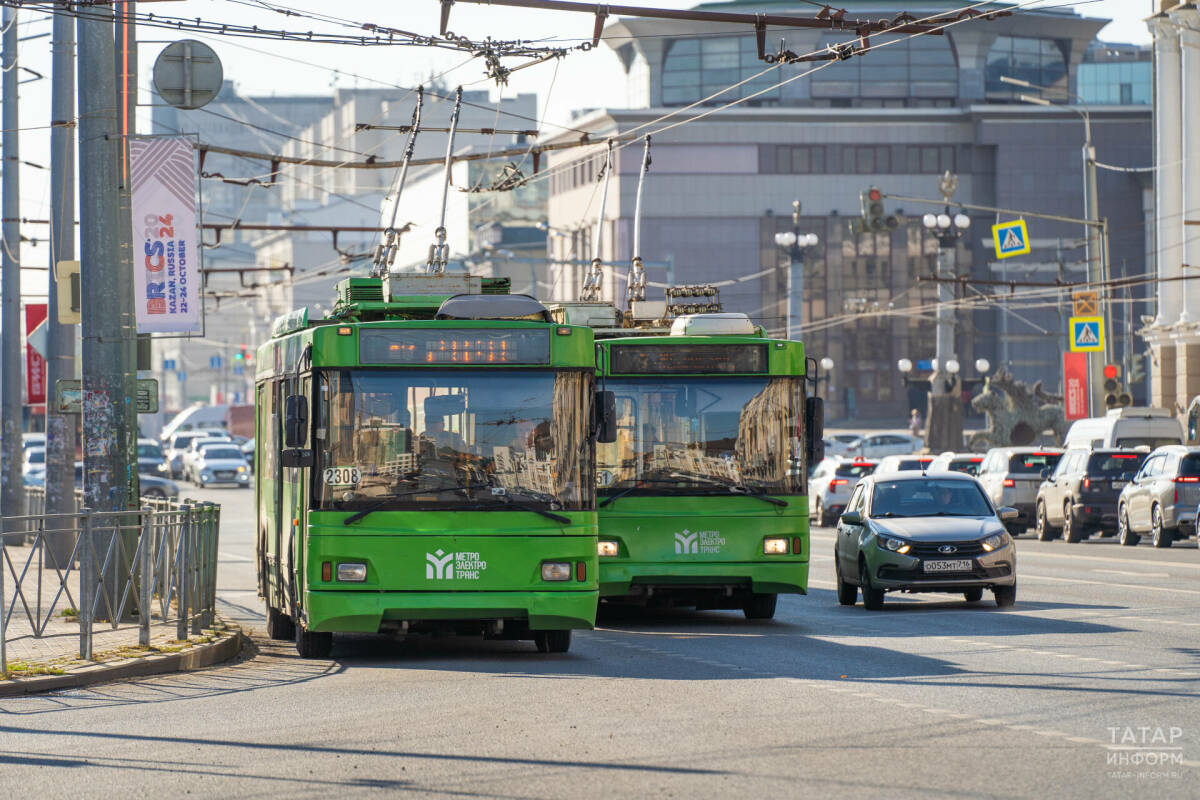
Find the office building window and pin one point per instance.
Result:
(895, 74)
(698, 68)
(1040, 61)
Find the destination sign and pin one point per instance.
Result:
(725, 359)
(430, 346)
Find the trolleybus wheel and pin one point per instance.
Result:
(280, 626)
(313, 644)
(552, 641)
(760, 606)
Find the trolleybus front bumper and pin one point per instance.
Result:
(643, 579)
(372, 612)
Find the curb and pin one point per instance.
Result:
(194, 658)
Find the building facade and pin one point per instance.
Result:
(722, 185)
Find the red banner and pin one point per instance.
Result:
(1075, 385)
(35, 365)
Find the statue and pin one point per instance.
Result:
(1016, 415)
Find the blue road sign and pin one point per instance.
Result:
(181, 376)
(237, 369)
(168, 364)
(214, 362)
(1087, 334)
(1011, 238)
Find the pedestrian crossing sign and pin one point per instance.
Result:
(1087, 334)
(1011, 238)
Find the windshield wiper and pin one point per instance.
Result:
(509, 502)
(737, 488)
(637, 485)
(383, 501)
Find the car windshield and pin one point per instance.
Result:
(689, 436)
(214, 453)
(854, 470)
(1032, 463)
(181, 442)
(149, 451)
(1148, 441)
(444, 439)
(1108, 465)
(930, 497)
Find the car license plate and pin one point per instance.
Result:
(1119, 484)
(954, 565)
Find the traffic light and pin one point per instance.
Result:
(242, 355)
(1114, 393)
(1137, 369)
(873, 215)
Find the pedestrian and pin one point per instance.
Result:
(914, 422)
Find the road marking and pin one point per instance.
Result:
(1025, 576)
(1134, 574)
(678, 634)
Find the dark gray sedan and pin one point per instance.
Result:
(917, 532)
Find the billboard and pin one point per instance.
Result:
(1075, 385)
(35, 364)
(166, 262)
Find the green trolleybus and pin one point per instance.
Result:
(425, 461)
(703, 492)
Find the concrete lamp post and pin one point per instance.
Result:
(794, 242)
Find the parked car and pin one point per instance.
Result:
(831, 483)
(1080, 496)
(193, 451)
(150, 485)
(956, 462)
(910, 463)
(1126, 427)
(220, 463)
(1161, 499)
(840, 444)
(35, 460)
(915, 532)
(179, 443)
(151, 459)
(1011, 477)
(876, 445)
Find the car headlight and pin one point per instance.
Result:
(556, 571)
(607, 549)
(162, 467)
(241, 469)
(352, 572)
(895, 545)
(775, 546)
(996, 541)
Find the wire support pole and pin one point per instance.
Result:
(385, 253)
(636, 289)
(12, 493)
(439, 251)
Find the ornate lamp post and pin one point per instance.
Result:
(794, 243)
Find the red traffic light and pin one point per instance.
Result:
(1111, 371)
(875, 195)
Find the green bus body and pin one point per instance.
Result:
(429, 562)
(705, 547)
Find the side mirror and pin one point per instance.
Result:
(852, 518)
(605, 410)
(1045, 473)
(295, 420)
(1008, 513)
(814, 429)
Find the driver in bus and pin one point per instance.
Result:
(435, 431)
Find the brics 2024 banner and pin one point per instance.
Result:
(166, 261)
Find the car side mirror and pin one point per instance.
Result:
(852, 518)
(1007, 513)
(605, 410)
(1045, 473)
(295, 420)
(814, 427)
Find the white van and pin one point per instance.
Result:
(1126, 427)
(196, 417)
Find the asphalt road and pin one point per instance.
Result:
(1096, 669)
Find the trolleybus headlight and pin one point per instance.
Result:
(609, 549)
(352, 572)
(556, 570)
(995, 541)
(775, 546)
(895, 545)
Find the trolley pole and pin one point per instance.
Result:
(60, 338)
(11, 488)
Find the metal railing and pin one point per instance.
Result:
(156, 565)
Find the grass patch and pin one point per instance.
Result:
(69, 612)
(26, 669)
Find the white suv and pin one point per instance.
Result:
(830, 486)
(876, 445)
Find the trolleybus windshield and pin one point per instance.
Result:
(436, 439)
(705, 435)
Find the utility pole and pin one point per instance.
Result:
(106, 392)
(11, 486)
(125, 67)
(60, 338)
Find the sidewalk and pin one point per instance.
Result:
(43, 604)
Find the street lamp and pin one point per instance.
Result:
(795, 242)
